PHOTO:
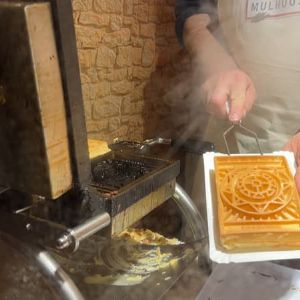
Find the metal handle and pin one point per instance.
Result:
(244, 128)
(72, 237)
(227, 105)
(158, 140)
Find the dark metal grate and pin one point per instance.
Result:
(124, 178)
(113, 174)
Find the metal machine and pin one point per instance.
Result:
(44, 148)
(51, 193)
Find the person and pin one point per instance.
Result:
(250, 72)
(245, 56)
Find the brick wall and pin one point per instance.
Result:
(130, 61)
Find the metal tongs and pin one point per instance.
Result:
(239, 124)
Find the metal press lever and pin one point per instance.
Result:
(54, 235)
(72, 237)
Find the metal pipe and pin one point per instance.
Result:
(190, 212)
(72, 237)
(196, 223)
(59, 277)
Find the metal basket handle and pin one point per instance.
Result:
(244, 128)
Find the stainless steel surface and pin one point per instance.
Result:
(72, 238)
(107, 260)
(233, 126)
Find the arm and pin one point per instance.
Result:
(294, 146)
(187, 8)
(223, 79)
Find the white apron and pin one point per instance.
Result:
(264, 39)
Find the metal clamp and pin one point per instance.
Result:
(244, 128)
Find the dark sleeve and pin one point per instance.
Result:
(186, 8)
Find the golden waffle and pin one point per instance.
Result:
(257, 203)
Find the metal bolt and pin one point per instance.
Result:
(63, 242)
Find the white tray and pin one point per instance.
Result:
(218, 255)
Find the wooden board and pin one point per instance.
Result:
(34, 153)
(141, 208)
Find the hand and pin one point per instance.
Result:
(234, 86)
(294, 146)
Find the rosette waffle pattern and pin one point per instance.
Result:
(258, 205)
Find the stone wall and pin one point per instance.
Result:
(130, 61)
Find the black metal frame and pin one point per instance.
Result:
(162, 172)
(67, 52)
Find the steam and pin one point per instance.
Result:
(185, 116)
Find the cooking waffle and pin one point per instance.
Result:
(257, 203)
